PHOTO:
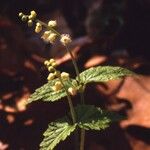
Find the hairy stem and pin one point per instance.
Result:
(77, 72)
(82, 136)
(72, 111)
(74, 63)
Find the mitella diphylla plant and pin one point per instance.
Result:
(60, 84)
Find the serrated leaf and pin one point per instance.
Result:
(46, 93)
(90, 117)
(57, 131)
(103, 74)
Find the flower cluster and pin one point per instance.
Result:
(62, 76)
(29, 18)
(50, 34)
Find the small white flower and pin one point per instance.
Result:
(52, 23)
(72, 91)
(65, 75)
(52, 37)
(65, 39)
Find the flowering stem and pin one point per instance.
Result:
(58, 34)
(72, 111)
(49, 28)
(82, 134)
(74, 63)
(77, 72)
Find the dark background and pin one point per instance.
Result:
(104, 32)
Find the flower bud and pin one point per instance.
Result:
(33, 14)
(52, 37)
(58, 86)
(30, 17)
(54, 64)
(20, 14)
(30, 23)
(65, 39)
(57, 74)
(58, 83)
(46, 35)
(46, 62)
(24, 18)
(50, 77)
(38, 29)
(65, 75)
(52, 23)
(52, 61)
(72, 91)
(51, 69)
(38, 24)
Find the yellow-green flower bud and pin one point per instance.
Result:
(52, 37)
(52, 23)
(54, 64)
(46, 35)
(65, 39)
(33, 14)
(65, 75)
(58, 83)
(52, 61)
(30, 17)
(72, 91)
(57, 74)
(24, 18)
(50, 77)
(58, 86)
(38, 24)
(51, 69)
(20, 14)
(38, 29)
(46, 62)
(30, 23)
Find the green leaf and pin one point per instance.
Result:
(57, 131)
(90, 117)
(103, 74)
(46, 93)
